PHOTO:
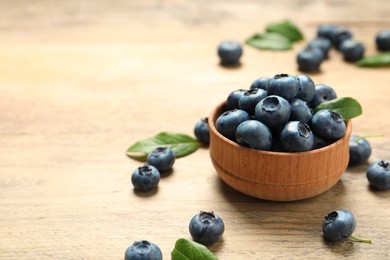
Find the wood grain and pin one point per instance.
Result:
(80, 81)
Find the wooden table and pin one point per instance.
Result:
(80, 81)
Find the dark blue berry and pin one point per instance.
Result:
(145, 178)
(233, 98)
(328, 124)
(206, 228)
(296, 137)
(273, 111)
(309, 59)
(322, 94)
(352, 50)
(143, 250)
(250, 98)
(382, 40)
(326, 31)
(359, 150)
(202, 131)
(254, 134)
(319, 141)
(162, 158)
(229, 52)
(306, 87)
(338, 225)
(342, 33)
(324, 44)
(300, 111)
(378, 175)
(260, 83)
(283, 85)
(228, 122)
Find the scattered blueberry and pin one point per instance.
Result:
(338, 225)
(162, 158)
(273, 111)
(250, 98)
(309, 59)
(352, 50)
(229, 52)
(322, 94)
(328, 124)
(228, 122)
(254, 134)
(233, 98)
(202, 131)
(296, 137)
(145, 178)
(359, 150)
(324, 44)
(143, 250)
(306, 88)
(283, 85)
(342, 33)
(326, 31)
(378, 175)
(300, 111)
(206, 228)
(260, 83)
(382, 40)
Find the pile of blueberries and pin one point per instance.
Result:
(276, 114)
(316, 51)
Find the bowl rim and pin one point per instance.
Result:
(217, 111)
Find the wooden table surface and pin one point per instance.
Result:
(80, 81)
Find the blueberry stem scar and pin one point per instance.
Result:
(357, 239)
(368, 136)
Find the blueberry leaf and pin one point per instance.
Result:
(186, 249)
(378, 60)
(269, 41)
(347, 107)
(287, 29)
(180, 144)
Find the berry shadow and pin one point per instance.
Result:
(345, 248)
(166, 174)
(231, 66)
(145, 194)
(358, 168)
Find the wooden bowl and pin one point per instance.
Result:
(277, 176)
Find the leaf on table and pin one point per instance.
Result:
(378, 60)
(186, 249)
(180, 144)
(287, 29)
(347, 107)
(269, 41)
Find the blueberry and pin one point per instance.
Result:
(322, 94)
(306, 88)
(250, 98)
(338, 225)
(228, 122)
(382, 40)
(260, 83)
(229, 52)
(309, 59)
(328, 124)
(273, 111)
(319, 141)
(202, 131)
(296, 136)
(254, 134)
(324, 44)
(300, 111)
(206, 228)
(359, 150)
(326, 31)
(352, 50)
(233, 98)
(283, 85)
(342, 33)
(145, 178)
(162, 158)
(143, 250)
(378, 175)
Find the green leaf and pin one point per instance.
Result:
(269, 41)
(186, 249)
(287, 29)
(379, 60)
(347, 107)
(180, 144)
